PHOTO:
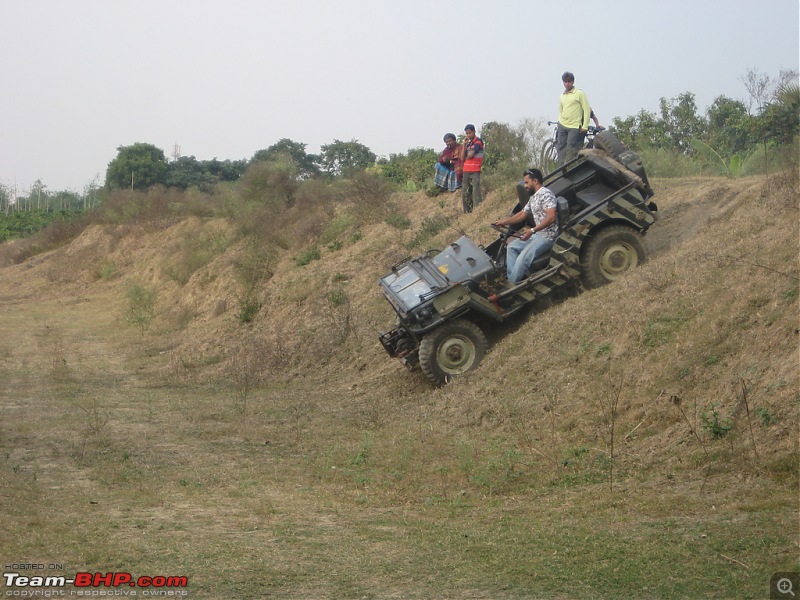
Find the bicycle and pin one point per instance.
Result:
(549, 157)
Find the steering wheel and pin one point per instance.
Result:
(505, 230)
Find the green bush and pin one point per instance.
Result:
(430, 227)
(249, 307)
(308, 255)
(666, 163)
(108, 271)
(141, 306)
(711, 422)
(398, 221)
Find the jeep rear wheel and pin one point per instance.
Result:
(610, 253)
(451, 350)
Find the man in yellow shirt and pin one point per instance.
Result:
(573, 119)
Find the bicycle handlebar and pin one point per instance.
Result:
(591, 130)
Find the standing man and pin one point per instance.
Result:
(473, 161)
(537, 240)
(573, 119)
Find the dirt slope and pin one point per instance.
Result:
(294, 448)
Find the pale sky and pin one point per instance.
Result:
(227, 78)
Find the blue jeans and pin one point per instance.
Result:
(521, 254)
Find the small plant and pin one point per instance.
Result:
(108, 271)
(141, 307)
(713, 424)
(248, 309)
(398, 221)
(662, 330)
(337, 297)
(603, 350)
(339, 313)
(729, 166)
(712, 360)
(432, 191)
(791, 295)
(765, 416)
(245, 372)
(308, 256)
(95, 418)
(430, 227)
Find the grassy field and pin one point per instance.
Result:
(639, 440)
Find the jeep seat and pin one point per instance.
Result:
(562, 218)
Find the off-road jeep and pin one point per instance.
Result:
(603, 211)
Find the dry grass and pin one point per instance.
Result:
(291, 458)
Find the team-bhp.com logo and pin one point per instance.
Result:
(91, 583)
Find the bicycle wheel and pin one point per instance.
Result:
(549, 160)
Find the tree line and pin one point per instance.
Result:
(720, 140)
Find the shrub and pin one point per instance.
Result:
(398, 221)
(196, 252)
(370, 194)
(309, 255)
(713, 424)
(430, 227)
(249, 307)
(141, 306)
(107, 271)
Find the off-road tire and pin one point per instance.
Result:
(549, 158)
(606, 140)
(451, 350)
(610, 253)
(613, 146)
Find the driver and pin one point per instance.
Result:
(538, 239)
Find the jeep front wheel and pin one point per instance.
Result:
(610, 253)
(451, 350)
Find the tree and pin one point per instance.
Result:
(505, 147)
(39, 197)
(5, 198)
(295, 151)
(185, 172)
(759, 86)
(225, 170)
(645, 130)
(416, 166)
(138, 166)
(728, 127)
(782, 116)
(776, 122)
(342, 158)
(680, 121)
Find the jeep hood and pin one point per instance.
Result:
(418, 280)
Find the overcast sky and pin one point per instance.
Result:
(226, 78)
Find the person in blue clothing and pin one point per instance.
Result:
(536, 240)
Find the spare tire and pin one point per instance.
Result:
(610, 143)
